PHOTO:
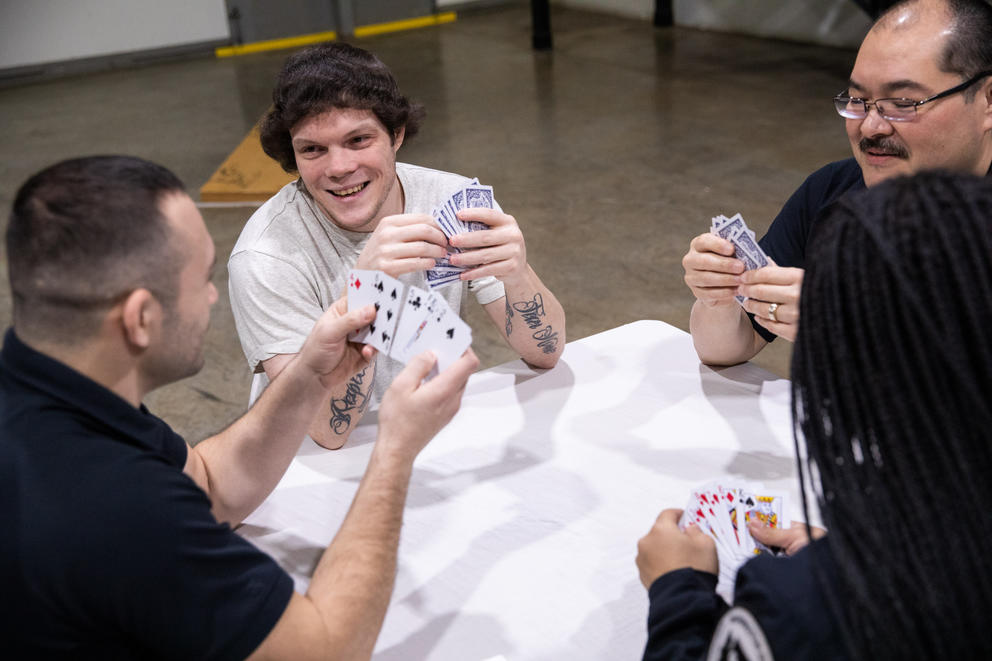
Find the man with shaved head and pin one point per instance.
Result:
(919, 98)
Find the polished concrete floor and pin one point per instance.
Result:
(612, 151)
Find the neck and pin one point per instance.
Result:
(110, 366)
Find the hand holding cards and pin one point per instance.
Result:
(408, 320)
(722, 511)
(746, 248)
(472, 196)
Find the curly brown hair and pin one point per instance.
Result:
(336, 75)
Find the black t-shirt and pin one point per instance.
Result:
(782, 593)
(108, 550)
(786, 239)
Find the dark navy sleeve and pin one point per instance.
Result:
(683, 613)
(785, 241)
(787, 600)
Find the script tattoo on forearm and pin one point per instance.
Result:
(509, 317)
(532, 314)
(353, 401)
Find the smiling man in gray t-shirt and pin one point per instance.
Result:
(338, 119)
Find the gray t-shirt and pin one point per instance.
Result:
(291, 263)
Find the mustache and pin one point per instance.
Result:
(887, 145)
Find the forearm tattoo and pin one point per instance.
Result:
(353, 402)
(532, 314)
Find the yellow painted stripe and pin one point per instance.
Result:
(276, 44)
(407, 24)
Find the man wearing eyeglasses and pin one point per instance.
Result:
(919, 97)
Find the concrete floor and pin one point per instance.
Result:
(612, 152)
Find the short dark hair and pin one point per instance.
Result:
(336, 75)
(891, 376)
(968, 50)
(83, 233)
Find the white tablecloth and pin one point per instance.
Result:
(524, 513)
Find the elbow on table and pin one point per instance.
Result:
(328, 438)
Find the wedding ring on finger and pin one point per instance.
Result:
(772, 307)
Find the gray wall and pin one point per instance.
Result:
(828, 22)
(40, 31)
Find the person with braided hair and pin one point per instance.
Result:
(891, 375)
(919, 98)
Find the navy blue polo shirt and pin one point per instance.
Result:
(789, 233)
(107, 549)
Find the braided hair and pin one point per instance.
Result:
(892, 379)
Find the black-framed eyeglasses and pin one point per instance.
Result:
(895, 110)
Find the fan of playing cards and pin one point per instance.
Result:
(722, 510)
(746, 248)
(472, 196)
(408, 320)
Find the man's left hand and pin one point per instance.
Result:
(773, 298)
(666, 548)
(499, 251)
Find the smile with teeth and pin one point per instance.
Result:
(348, 191)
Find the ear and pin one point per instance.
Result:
(398, 138)
(986, 98)
(141, 317)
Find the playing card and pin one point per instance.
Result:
(478, 196)
(728, 227)
(722, 510)
(413, 321)
(408, 321)
(360, 294)
(445, 222)
(440, 277)
(388, 292)
(448, 336)
(474, 226)
(746, 248)
(768, 507)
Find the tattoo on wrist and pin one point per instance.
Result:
(532, 314)
(509, 316)
(355, 400)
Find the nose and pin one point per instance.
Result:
(875, 124)
(340, 163)
(212, 298)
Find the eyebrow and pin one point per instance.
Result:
(893, 86)
(367, 126)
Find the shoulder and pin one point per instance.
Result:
(408, 172)
(424, 188)
(279, 218)
(834, 179)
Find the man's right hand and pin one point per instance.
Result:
(413, 411)
(711, 270)
(403, 243)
